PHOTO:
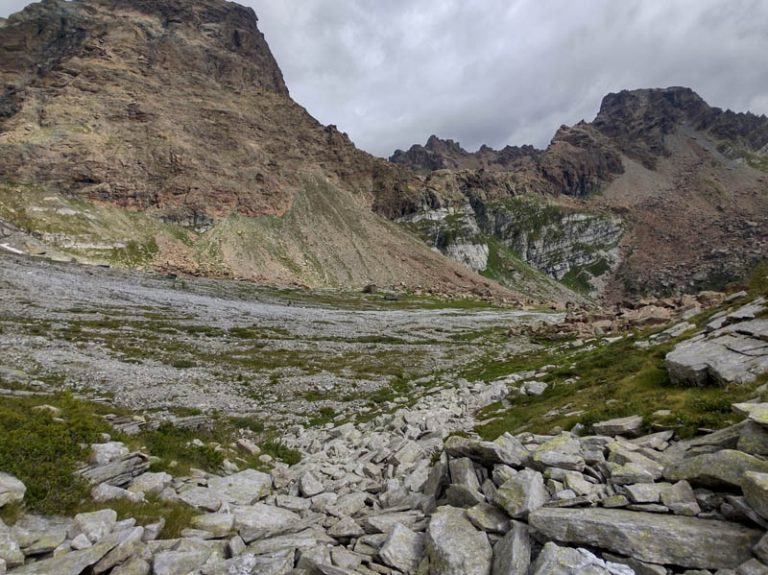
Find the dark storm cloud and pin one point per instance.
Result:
(390, 73)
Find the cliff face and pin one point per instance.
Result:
(661, 193)
(160, 133)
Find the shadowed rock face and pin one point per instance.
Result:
(686, 179)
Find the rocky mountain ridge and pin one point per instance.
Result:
(661, 162)
(162, 135)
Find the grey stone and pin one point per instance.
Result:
(556, 560)
(95, 525)
(178, 562)
(533, 387)
(118, 472)
(732, 358)
(346, 528)
(309, 486)
(104, 492)
(485, 452)
(150, 483)
(752, 567)
(522, 494)
(489, 518)
(512, 553)
(256, 521)
(680, 499)
(134, 566)
(11, 490)
(725, 468)
(455, 547)
(761, 549)
(753, 439)
(217, 524)
(278, 563)
(10, 551)
(662, 539)
(243, 488)
(403, 549)
(74, 562)
(200, 498)
(630, 426)
(127, 548)
(755, 487)
(103, 453)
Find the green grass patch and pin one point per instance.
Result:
(43, 451)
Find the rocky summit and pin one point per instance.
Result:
(661, 193)
(231, 343)
(161, 135)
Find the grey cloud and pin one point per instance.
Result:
(504, 71)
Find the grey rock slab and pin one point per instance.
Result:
(556, 560)
(489, 518)
(128, 547)
(95, 525)
(74, 562)
(663, 539)
(104, 492)
(346, 528)
(178, 562)
(255, 521)
(753, 439)
(731, 358)
(309, 485)
(103, 453)
(151, 483)
(512, 553)
(118, 472)
(403, 549)
(302, 540)
(522, 494)
(725, 468)
(680, 499)
(755, 488)
(485, 452)
(279, 563)
(134, 566)
(11, 489)
(217, 524)
(455, 547)
(10, 551)
(200, 498)
(383, 522)
(630, 426)
(243, 488)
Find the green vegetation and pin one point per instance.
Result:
(279, 450)
(614, 380)
(43, 449)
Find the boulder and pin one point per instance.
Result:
(629, 426)
(11, 490)
(512, 553)
(10, 552)
(731, 358)
(309, 486)
(256, 521)
(455, 547)
(74, 562)
(755, 487)
(664, 539)
(489, 518)
(217, 524)
(150, 483)
(725, 468)
(522, 494)
(403, 549)
(178, 562)
(487, 453)
(243, 488)
(554, 559)
(95, 525)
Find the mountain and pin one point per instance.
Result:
(660, 194)
(160, 134)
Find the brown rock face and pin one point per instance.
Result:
(176, 111)
(688, 179)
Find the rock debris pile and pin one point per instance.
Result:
(400, 494)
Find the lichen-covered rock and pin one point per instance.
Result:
(243, 488)
(650, 537)
(403, 549)
(630, 426)
(455, 547)
(522, 494)
(755, 487)
(512, 553)
(11, 489)
(724, 468)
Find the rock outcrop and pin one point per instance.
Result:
(682, 182)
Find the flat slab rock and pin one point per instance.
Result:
(663, 539)
(731, 358)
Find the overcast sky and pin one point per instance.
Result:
(392, 72)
